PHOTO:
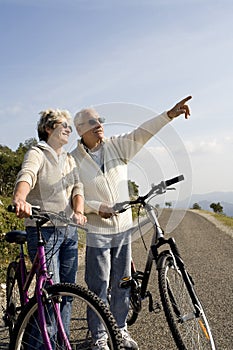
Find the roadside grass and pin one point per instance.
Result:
(226, 220)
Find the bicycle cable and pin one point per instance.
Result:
(140, 230)
(138, 219)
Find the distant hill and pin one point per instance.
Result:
(204, 200)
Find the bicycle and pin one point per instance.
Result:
(183, 310)
(35, 322)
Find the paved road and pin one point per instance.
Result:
(207, 252)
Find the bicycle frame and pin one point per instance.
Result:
(158, 234)
(39, 269)
(158, 241)
(39, 324)
(43, 278)
(183, 310)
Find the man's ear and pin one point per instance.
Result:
(78, 128)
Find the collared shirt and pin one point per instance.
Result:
(97, 156)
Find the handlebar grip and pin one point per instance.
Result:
(119, 207)
(11, 208)
(174, 180)
(121, 210)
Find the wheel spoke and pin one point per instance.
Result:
(190, 328)
(65, 297)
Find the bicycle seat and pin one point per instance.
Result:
(16, 236)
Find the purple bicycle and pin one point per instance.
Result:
(34, 319)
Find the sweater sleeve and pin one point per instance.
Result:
(78, 190)
(130, 143)
(32, 163)
(92, 206)
(77, 186)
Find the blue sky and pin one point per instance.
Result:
(149, 54)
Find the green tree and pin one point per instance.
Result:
(217, 208)
(133, 194)
(133, 189)
(196, 206)
(24, 147)
(10, 165)
(168, 204)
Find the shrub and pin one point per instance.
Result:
(196, 206)
(8, 222)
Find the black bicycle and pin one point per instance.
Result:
(183, 309)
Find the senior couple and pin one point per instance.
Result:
(85, 185)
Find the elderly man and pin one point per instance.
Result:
(102, 165)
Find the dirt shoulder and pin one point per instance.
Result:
(216, 222)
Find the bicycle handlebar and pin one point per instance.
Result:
(35, 209)
(174, 180)
(46, 216)
(158, 189)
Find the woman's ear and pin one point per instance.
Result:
(48, 130)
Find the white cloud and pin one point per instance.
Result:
(228, 139)
(210, 146)
(204, 147)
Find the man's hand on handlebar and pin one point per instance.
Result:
(106, 212)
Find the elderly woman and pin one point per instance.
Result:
(49, 179)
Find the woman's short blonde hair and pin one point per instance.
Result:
(48, 119)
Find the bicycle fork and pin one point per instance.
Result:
(43, 299)
(179, 265)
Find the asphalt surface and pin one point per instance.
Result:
(207, 253)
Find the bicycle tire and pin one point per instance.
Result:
(132, 316)
(14, 295)
(189, 332)
(27, 328)
(135, 303)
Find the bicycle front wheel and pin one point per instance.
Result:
(27, 332)
(190, 332)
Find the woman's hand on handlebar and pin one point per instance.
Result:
(22, 208)
(79, 218)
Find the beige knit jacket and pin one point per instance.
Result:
(111, 186)
(53, 179)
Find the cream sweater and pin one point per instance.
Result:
(111, 186)
(53, 179)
